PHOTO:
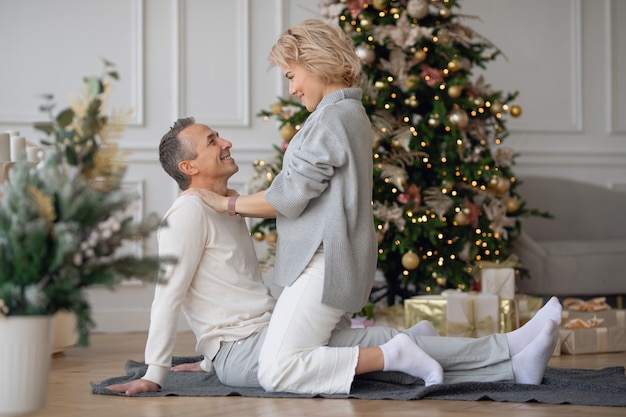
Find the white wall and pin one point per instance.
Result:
(207, 58)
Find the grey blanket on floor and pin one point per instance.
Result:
(603, 387)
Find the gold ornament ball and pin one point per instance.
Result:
(499, 184)
(444, 12)
(454, 65)
(272, 238)
(455, 91)
(433, 120)
(411, 102)
(412, 81)
(277, 108)
(366, 54)
(379, 85)
(515, 110)
(366, 24)
(459, 118)
(417, 9)
(410, 260)
(479, 101)
(420, 55)
(441, 281)
(461, 218)
(380, 4)
(259, 236)
(287, 131)
(512, 204)
(496, 107)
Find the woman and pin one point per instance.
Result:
(326, 251)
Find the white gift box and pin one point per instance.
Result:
(498, 281)
(472, 314)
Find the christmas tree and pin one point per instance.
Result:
(444, 194)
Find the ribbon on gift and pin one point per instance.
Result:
(486, 325)
(470, 326)
(577, 304)
(603, 339)
(579, 323)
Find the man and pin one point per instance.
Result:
(218, 286)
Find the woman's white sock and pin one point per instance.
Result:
(422, 328)
(520, 338)
(530, 364)
(403, 355)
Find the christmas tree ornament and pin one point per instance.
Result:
(462, 218)
(499, 184)
(420, 55)
(454, 91)
(287, 132)
(459, 118)
(411, 102)
(417, 9)
(479, 101)
(441, 281)
(277, 108)
(412, 81)
(496, 107)
(445, 12)
(379, 85)
(366, 54)
(433, 120)
(258, 236)
(515, 110)
(410, 260)
(380, 4)
(365, 24)
(454, 65)
(271, 238)
(512, 204)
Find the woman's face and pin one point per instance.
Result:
(308, 88)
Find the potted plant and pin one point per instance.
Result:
(62, 223)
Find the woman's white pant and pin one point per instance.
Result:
(295, 356)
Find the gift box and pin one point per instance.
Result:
(508, 317)
(498, 281)
(527, 307)
(595, 340)
(434, 309)
(426, 307)
(609, 317)
(472, 314)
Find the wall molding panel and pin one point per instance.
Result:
(45, 59)
(615, 35)
(217, 55)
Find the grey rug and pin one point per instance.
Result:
(603, 387)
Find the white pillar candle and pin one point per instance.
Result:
(18, 147)
(5, 146)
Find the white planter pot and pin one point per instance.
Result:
(25, 345)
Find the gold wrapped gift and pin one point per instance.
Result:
(596, 340)
(433, 308)
(527, 307)
(426, 307)
(509, 319)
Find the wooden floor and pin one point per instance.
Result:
(70, 393)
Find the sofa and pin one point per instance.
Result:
(581, 251)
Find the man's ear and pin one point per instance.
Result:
(188, 167)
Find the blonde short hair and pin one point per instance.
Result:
(322, 49)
